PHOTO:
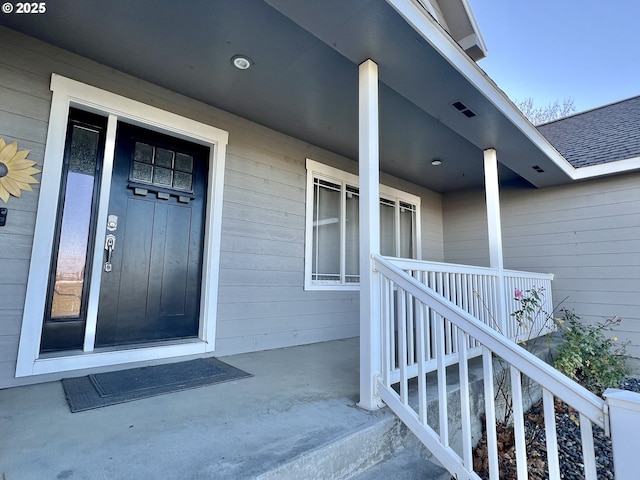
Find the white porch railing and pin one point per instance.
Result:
(477, 291)
(425, 329)
(525, 282)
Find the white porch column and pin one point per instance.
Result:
(494, 226)
(370, 335)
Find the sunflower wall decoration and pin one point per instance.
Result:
(16, 171)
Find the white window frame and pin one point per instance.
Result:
(325, 172)
(69, 93)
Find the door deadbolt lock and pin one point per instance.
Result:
(112, 222)
(109, 244)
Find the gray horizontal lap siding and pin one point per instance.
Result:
(24, 109)
(587, 234)
(262, 302)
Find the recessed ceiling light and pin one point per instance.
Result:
(436, 161)
(241, 62)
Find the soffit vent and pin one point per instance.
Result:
(462, 108)
(538, 169)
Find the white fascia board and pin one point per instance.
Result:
(479, 40)
(470, 45)
(428, 6)
(468, 41)
(610, 168)
(442, 42)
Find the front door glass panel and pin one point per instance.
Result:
(162, 167)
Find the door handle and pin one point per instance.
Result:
(109, 244)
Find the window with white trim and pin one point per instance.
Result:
(332, 227)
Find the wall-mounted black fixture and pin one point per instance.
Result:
(3, 216)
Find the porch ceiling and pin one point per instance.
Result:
(304, 81)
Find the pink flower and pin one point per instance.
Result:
(517, 293)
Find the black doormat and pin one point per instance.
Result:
(100, 390)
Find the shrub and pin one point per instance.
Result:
(589, 357)
(531, 314)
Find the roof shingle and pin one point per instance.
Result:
(602, 135)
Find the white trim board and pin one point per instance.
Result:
(70, 93)
(610, 168)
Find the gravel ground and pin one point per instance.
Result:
(569, 445)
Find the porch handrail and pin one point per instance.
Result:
(562, 386)
(411, 264)
(407, 305)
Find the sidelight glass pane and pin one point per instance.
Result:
(352, 235)
(71, 260)
(387, 228)
(407, 230)
(326, 231)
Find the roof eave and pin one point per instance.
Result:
(604, 169)
(480, 45)
(438, 38)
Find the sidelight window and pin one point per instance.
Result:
(68, 283)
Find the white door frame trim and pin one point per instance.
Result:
(68, 93)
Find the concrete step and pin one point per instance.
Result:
(384, 450)
(343, 457)
(404, 465)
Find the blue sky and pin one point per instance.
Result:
(587, 50)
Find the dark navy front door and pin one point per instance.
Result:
(151, 276)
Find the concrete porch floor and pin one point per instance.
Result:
(299, 399)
